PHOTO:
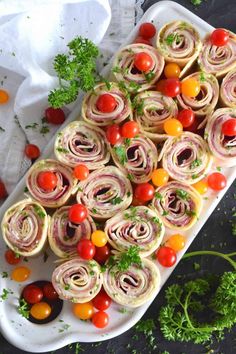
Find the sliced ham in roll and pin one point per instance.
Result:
(228, 90)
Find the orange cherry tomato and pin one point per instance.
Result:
(99, 238)
(12, 258)
(83, 311)
(81, 172)
(201, 186)
(40, 310)
(173, 127)
(160, 177)
(190, 87)
(176, 242)
(100, 319)
(4, 97)
(172, 70)
(20, 274)
(32, 151)
(47, 180)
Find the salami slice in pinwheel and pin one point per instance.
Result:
(179, 42)
(206, 100)
(218, 60)
(178, 205)
(228, 90)
(105, 192)
(129, 76)
(222, 147)
(136, 157)
(90, 108)
(77, 280)
(133, 287)
(151, 110)
(186, 158)
(24, 227)
(81, 143)
(65, 187)
(137, 226)
(64, 236)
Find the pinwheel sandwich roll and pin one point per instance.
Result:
(128, 76)
(222, 147)
(82, 143)
(134, 286)
(24, 228)
(136, 226)
(105, 192)
(179, 42)
(63, 235)
(90, 108)
(77, 280)
(178, 205)
(151, 110)
(218, 60)
(186, 158)
(228, 90)
(65, 187)
(136, 157)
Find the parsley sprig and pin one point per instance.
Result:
(23, 308)
(126, 259)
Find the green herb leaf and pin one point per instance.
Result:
(121, 153)
(195, 163)
(64, 151)
(5, 293)
(23, 308)
(202, 77)
(182, 194)
(171, 38)
(126, 259)
(158, 195)
(116, 200)
(149, 76)
(39, 211)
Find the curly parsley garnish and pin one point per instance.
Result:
(23, 308)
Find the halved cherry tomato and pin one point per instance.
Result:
(12, 258)
(219, 37)
(143, 61)
(40, 311)
(201, 186)
(47, 180)
(186, 117)
(100, 319)
(173, 127)
(54, 115)
(32, 151)
(160, 177)
(83, 311)
(102, 254)
(77, 213)
(190, 87)
(113, 134)
(176, 242)
(129, 129)
(4, 97)
(147, 30)
(166, 256)
(101, 301)
(161, 86)
(3, 192)
(229, 127)
(216, 181)
(142, 40)
(144, 192)
(86, 249)
(172, 70)
(49, 291)
(171, 87)
(106, 103)
(99, 238)
(20, 274)
(32, 294)
(81, 172)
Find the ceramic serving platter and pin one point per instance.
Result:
(66, 328)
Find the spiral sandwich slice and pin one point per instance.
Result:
(228, 90)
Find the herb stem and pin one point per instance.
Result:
(213, 253)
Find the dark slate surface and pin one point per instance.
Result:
(215, 234)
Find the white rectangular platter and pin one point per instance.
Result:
(42, 338)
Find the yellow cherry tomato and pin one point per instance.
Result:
(40, 311)
(173, 127)
(160, 177)
(83, 311)
(20, 274)
(99, 238)
(176, 242)
(201, 186)
(4, 97)
(190, 87)
(172, 70)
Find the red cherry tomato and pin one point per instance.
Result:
(147, 30)
(113, 134)
(102, 301)
(100, 319)
(32, 294)
(77, 213)
(47, 180)
(137, 202)
(12, 258)
(81, 172)
(32, 151)
(186, 117)
(54, 115)
(106, 103)
(49, 291)
(3, 192)
(166, 256)
(229, 127)
(161, 86)
(102, 254)
(172, 87)
(144, 192)
(86, 249)
(129, 129)
(142, 40)
(219, 37)
(216, 181)
(143, 61)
